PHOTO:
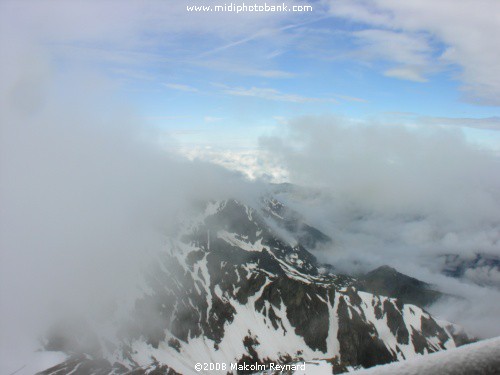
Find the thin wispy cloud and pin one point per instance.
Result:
(241, 68)
(410, 54)
(259, 34)
(407, 73)
(463, 30)
(211, 119)
(351, 98)
(181, 87)
(273, 94)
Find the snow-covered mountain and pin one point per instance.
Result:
(237, 285)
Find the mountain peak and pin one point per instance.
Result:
(387, 281)
(236, 285)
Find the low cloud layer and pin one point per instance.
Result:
(395, 195)
(86, 195)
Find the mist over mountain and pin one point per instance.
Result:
(87, 194)
(337, 242)
(230, 287)
(422, 200)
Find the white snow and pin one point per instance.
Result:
(234, 240)
(332, 342)
(316, 368)
(214, 207)
(482, 358)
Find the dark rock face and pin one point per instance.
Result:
(396, 322)
(357, 346)
(307, 313)
(419, 342)
(231, 284)
(430, 328)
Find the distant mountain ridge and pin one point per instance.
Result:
(387, 281)
(480, 268)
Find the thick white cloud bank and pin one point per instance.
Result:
(390, 170)
(402, 196)
(86, 195)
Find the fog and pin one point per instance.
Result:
(86, 195)
(401, 196)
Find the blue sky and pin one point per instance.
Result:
(223, 79)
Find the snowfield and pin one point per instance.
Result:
(480, 358)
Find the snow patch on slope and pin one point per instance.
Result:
(237, 241)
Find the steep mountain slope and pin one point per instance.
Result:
(237, 286)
